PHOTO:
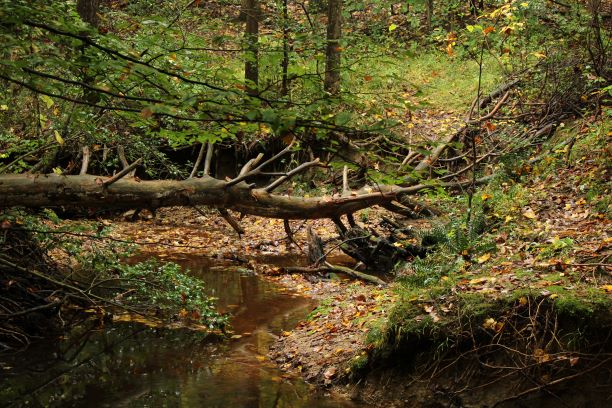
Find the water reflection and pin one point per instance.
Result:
(126, 365)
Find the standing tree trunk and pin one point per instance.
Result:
(332, 55)
(88, 11)
(251, 36)
(429, 15)
(285, 62)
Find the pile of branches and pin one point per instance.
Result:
(32, 289)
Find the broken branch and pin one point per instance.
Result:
(286, 177)
(122, 173)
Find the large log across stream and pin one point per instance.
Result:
(53, 190)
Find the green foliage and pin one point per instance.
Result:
(86, 253)
(169, 290)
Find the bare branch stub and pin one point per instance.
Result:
(209, 153)
(122, 173)
(302, 167)
(194, 171)
(256, 171)
(85, 163)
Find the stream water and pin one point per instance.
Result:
(130, 365)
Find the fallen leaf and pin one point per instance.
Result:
(330, 372)
(484, 258)
(529, 214)
(477, 281)
(490, 323)
(541, 356)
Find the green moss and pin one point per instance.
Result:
(359, 362)
(475, 305)
(322, 309)
(589, 305)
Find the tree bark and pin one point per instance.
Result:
(285, 62)
(88, 11)
(429, 15)
(251, 36)
(333, 52)
(89, 191)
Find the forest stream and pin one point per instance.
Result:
(132, 365)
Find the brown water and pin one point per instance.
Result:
(128, 365)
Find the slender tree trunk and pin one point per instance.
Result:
(476, 6)
(333, 53)
(88, 11)
(251, 36)
(429, 14)
(285, 62)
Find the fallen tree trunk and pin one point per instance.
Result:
(90, 191)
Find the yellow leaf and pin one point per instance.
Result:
(484, 258)
(529, 214)
(286, 333)
(3, 107)
(397, 244)
(58, 138)
(47, 100)
(58, 171)
(508, 219)
(486, 196)
(607, 288)
(392, 27)
(523, 300)
(478, 281)
(490, 323)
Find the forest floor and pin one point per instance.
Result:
(551, 245)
